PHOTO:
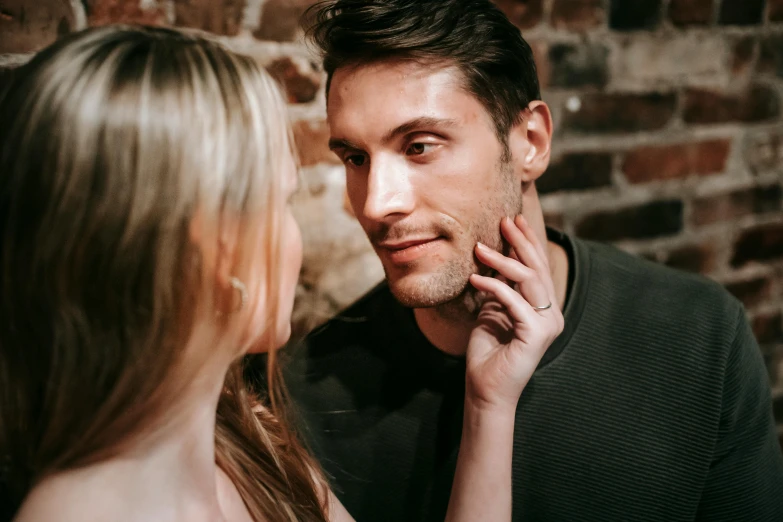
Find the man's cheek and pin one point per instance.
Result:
(347, 207)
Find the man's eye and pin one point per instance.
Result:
(356, 160)
(416, 149)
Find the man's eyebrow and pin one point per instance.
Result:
(337, 143)
(405, 128)
(418, 123)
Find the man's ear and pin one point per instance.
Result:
(530, 142)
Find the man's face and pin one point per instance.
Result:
(426, 174)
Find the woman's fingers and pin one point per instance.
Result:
(522, 246)
(528, 250)
(530, 286)
(518, 308)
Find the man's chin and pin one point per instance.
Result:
(426, 290)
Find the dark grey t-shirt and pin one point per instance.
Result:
(653, 404)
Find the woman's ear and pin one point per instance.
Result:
(225, 265)
(218, 245)
(530, 142)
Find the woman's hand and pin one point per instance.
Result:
(517, 323)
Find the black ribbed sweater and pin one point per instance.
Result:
(652, 405)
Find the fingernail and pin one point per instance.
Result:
(482, 246)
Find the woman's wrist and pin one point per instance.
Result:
(479, 414)
(480, 404)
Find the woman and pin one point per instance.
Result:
(147, 245)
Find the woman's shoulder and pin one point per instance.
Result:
(66, 499)
(230, 500)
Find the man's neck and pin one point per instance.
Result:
(448, 326)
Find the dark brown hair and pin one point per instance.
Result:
(495, 61)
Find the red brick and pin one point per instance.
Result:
(580, 171)
(775, 10)
(578, 15)
(761, 243)
(742, 54)
(281, 19)
(651, 220)
(764, 151)
(751, 292)
(312, 142)
(726, 207)
(522, 13)
(741, 12)
(625, 15)
(768, 328)
(756, 104)
(608, 113)
(700, 259)
(676, 161)
(29, 26)
(690, 12)
(216, 16)
(582, 65)
(103, 12)
(300, 77)
(667, 58)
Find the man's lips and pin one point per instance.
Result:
(402, 245)
(401, 252)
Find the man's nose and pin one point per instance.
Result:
(389, 191)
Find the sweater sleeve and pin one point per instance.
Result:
(745, 479)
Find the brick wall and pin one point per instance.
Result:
(669, 138)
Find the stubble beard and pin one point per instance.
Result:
(448, 290)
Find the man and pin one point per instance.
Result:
(653, 404)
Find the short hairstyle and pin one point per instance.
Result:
(495, 60)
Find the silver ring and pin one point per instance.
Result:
(542, 308)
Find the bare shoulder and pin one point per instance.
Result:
(58, 499)
(337, 512)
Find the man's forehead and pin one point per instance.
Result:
(388, 93)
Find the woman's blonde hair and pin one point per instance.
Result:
(114, 142)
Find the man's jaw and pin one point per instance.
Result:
(431, 285)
